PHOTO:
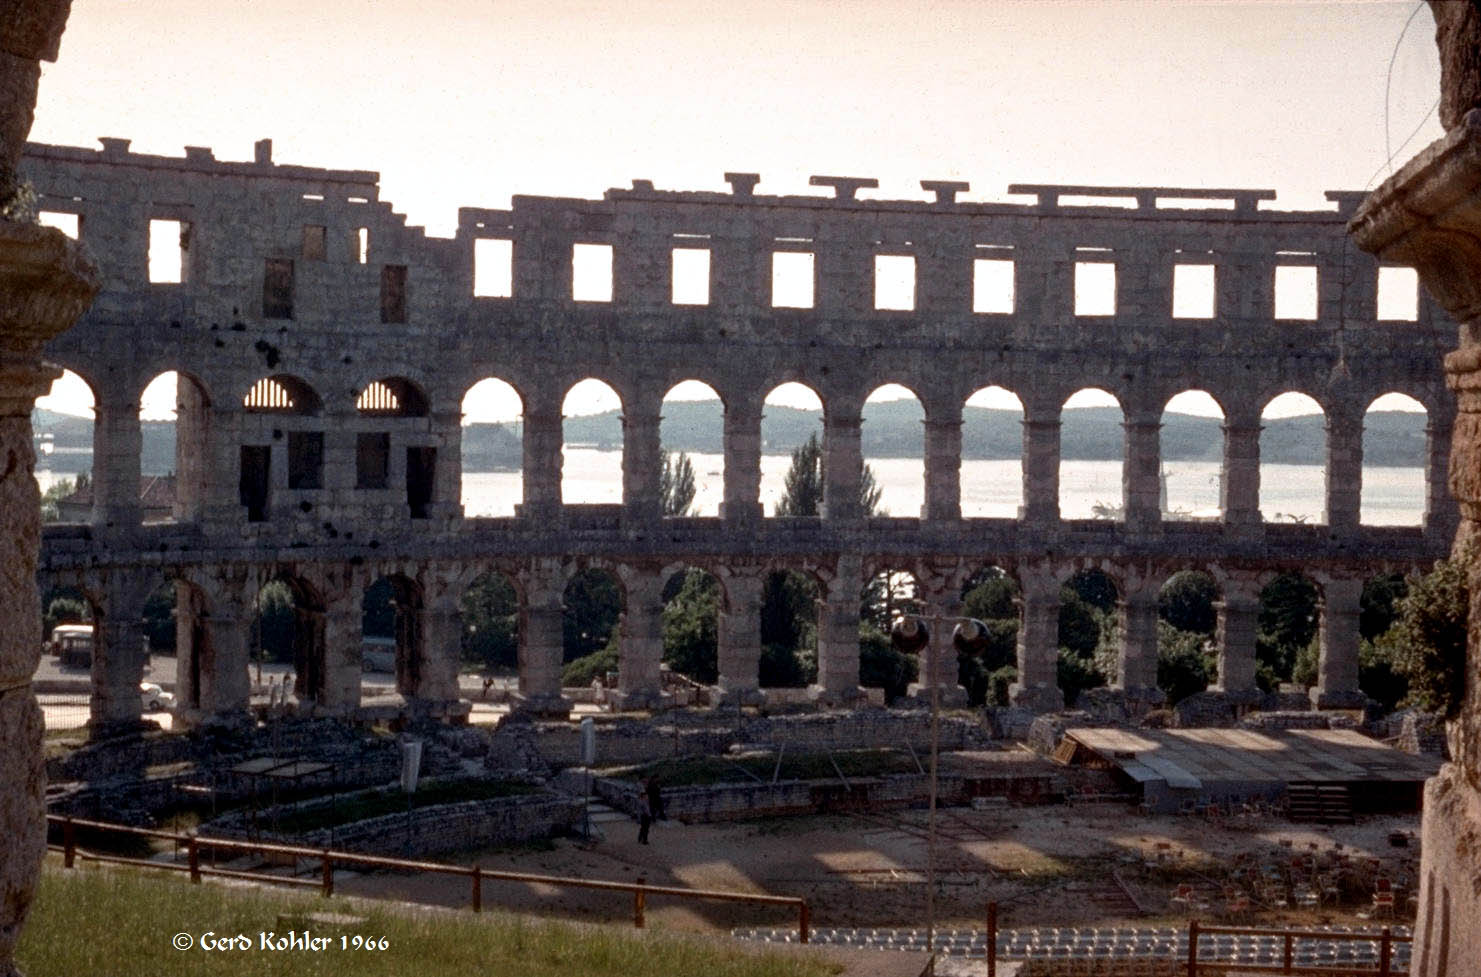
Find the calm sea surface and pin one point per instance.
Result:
(1391, 496)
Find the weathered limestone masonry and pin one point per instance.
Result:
(325, 349)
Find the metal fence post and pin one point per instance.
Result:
(1192, 948)
(1385, 953)
(477, 888)
(193, 856)
(992, 939)
(804, 923)
(69, 842)
(328, 874)
(640, 900)
(1290, 954)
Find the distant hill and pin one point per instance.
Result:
(892, 430)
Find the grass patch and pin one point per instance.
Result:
(390, 800)
(703, 771)
(121, 922)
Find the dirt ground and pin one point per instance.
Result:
(1044, 865)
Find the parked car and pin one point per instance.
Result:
(73, 644)
(378, 654)
(155, 699)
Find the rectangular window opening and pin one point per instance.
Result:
(691, 281)
(894, 282)
(372, 460)
(1193, 291)
(1295, 292)
(493, 268)
(591, 273)
(360, 245)
(1095, 288)
(992, 286)
(254, 480)
(314, 248)
(168, 242)
(277, 288)
(68, 224)
(792, 279)
(305, 460)
(421, 478)
(1398, 294)
(393, 293)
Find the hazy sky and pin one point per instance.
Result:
(466, 103)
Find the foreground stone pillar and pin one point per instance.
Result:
(1239, 621)
(1037, 687)
(742, 464)
(45, 284)
(739, 640)
(1337, 670)
(838, 636)
(541, 643)
(640, 653)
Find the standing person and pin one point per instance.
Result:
(655, 799)
(645, 818)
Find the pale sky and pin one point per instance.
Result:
(466, 102)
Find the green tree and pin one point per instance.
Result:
(1184, 664)
(64, 606)
(60, 490)
(159, 619)
(1380, 604)
(881, 666)
(1287, 626)
(490, 610)
(1427, 643)
(676, 485)
(1187, 602)
(273, 629)
(803, 484)
(593, 604)
(690, 640)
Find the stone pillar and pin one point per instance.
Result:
(437, 675)
(542, 461)
(1239, 479)
(1344, 469)
(742, 463)
(117, 441)
(342, 670)
(1136, 659)
(1040, 465)
(642, 463)
(541, 644)
(45, 284)
(838, 636)
(1037, 687)
(943, 501)
(447, 479)
(1239, 621)
(216, 634)
(843, 463)
(739, 634)
(1141, 474)
(1337, 670)
(641, 634)
(1441, 517)
(938, 660)
(120, 653)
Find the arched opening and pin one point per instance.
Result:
(174, 457)
(392, 397)
(792, 451)
(1286, 642)
(281, 427)
(490, 621)
(893, 443)
(287, 640)
(591, 430)
(692, 435)
(886, 596)
(378, 452)
(392, 637)
(1293, 460)
(1088, 632)
(592, 603)
(789, 629)
(493, 449)
(1187, 618)
(1191, 448)
(992, 454)
(1394, 456)
(62, 425)
(1381, 647)
(691, 617)
(991, 596)
(1091, 448)
(68, 617)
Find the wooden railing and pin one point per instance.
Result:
(327, 859)
(1212, 968)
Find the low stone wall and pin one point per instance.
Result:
(430, 830)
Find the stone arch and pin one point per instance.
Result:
(591, 445)
(695, 440)
(992, 454)
(174, 487)
(297, 635)
(1188, 602)
(593, 600)
(1293, 458)
(894, 450)
(693, 599)
(1289, 622)
(282, 393)
(787, 425)
(1092, 455)
(492, 449)
(393, 633)
(392, 396)
(490, 606)
(792, 606)
(1191, 454)
(1395, 457)
(67, 488)
(1090, 599)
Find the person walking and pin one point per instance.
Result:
(655, 799)
(645, 818)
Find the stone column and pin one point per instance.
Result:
(1040, 465)
(843, 463)
(117, 441)
(437, 677)
(447, 479)
(215, 633)
(1337, 670)
(541, 642)
(739, 651)
(1136, 659)
(45, 284)
(838, 636)
(120, 653)
(1239, 479)
(342, 671)
(641, 634)
(1037, 687)
(642, 463)
(1141, 474)
(943, 501)
(1441, 516)
(742, 463)
(1238, 623)
(1344, 469)
(938, 660)
(542, 461)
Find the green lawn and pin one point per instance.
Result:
(702, 771)
(121, 922)
(372, 804)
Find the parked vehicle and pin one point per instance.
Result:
(73, 644)
(155, 699)
(378, 654)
